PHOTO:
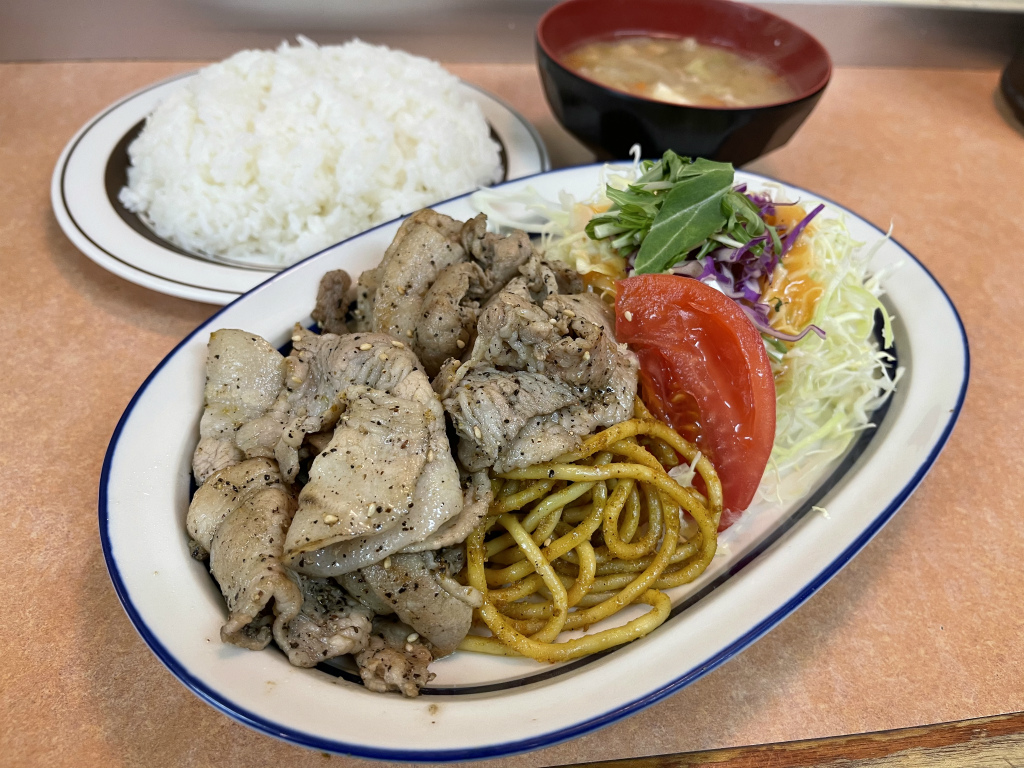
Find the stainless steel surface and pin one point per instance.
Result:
(930, 33)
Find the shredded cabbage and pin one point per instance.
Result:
(826, 388)
(561, 224)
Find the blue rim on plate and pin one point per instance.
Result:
(246, 716)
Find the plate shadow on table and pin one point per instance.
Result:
(1003, 108)
(139, 707)
(141, 307)
(731, 706)
(135, 702)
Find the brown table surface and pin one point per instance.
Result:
(925, 625)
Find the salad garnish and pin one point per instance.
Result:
(686, 216)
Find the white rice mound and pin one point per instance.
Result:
(269, 157)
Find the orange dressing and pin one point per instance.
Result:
(793, 289)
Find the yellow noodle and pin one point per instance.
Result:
(582, 646)
(556, 549)
(509, 555)
(632, 550)
(559, 598)
(576, 515)
(547, 526)
(546, 573)
(491, 645)
(519, 499)
(519, 590)
(662, 451)
(550, 504)
(631, 522)
(608, 565)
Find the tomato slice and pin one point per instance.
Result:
(705, 371)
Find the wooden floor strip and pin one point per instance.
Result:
(985, 742)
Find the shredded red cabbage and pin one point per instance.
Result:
(758, 314)
(794, 234)
(740, 272)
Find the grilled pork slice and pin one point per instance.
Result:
(332, 302)
(566, 337)
(318, 370)
(244, 375)
(329, 624)
(416, 588)
(387, 478)
(429, 285)
(500, 256)
(448, 315)
(545, 371)
(240, 516)
(394, 660)
(347, 556)
(226, 490)
(411, 264)
(500, 417)
(476, 500)
(245, 559)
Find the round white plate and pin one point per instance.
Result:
(771, 562)
(91, 172)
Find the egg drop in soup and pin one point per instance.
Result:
(680, 71)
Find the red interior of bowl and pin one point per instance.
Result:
(783, 46)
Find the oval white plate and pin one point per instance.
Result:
(90, 172)
(769, 565)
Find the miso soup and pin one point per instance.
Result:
(680, 71)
